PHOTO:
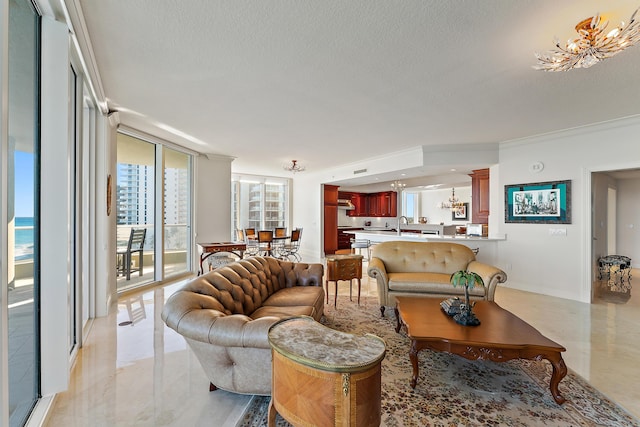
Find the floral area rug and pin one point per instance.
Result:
(453, 391)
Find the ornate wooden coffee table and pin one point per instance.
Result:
(500, 337)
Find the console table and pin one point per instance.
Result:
(208, 249)
(343, 267)
(324, 377)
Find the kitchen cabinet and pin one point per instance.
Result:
(382, 204)
(480, 196)
(330, 219)
(387, 203)
(344, 239)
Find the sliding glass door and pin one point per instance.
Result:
(135, 193)
(152, 247)
(22, 163)
(176, 211)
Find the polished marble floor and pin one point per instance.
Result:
(133, 371)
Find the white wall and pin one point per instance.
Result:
(212, 199)
(430, 200)
(56, 243)
(628, 229)
(308, 208)
(560, 265)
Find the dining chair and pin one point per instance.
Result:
(252, 244)
(265, 242)
(290, 250)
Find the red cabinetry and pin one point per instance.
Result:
(383, 204)
(330, 219)
(480, 196)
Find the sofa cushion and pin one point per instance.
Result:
(419, 257)
(300, 295)
(282, 312)
(437, 283)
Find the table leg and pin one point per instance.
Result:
(335, 295)
(413, 356)
(559, 372)
(326, 291)
(350, 289)
(359, 286)
(271, 415)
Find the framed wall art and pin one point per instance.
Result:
(460, 213)
(540, 202)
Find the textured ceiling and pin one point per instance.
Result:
(332, 82)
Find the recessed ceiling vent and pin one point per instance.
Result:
(359, 171)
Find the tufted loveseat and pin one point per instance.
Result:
(423, 269)
(225, 316)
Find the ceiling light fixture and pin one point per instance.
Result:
(293, 167)
(592, 46)
(453, 202)
(397, 185)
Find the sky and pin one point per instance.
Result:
(23, 184)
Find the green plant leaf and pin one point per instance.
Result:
(465, 278)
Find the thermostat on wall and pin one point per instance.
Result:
(536, 167)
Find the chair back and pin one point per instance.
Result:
(280, 231)
(249, 232)
(265, 236)
(136, 239)
(239, 235)
(295, 235)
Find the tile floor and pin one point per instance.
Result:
(142, 374)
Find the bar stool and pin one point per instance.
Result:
(361, 244)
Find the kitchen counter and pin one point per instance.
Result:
(486, 245)
(386, 236)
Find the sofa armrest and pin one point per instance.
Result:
(491, 276)
(214, 327)
(378, 271)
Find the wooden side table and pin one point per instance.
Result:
(324, 377)
(343, 267)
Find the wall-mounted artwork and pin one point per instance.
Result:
(541, 202)
(460, 212)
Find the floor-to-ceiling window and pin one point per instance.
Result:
(177, 210)
(23, 211)
(259, 202)
(135, 210)
(143, 167)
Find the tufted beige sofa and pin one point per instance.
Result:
(225, 316)
(423, 269)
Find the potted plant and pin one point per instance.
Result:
(468, 279)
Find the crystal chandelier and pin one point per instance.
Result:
(453, 202)
(293, 167)
(592, 46)
(397, 185)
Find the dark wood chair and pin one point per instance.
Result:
(265, 242)
(134, 245)
(252, 244)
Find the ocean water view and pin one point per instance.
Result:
(24, 238)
